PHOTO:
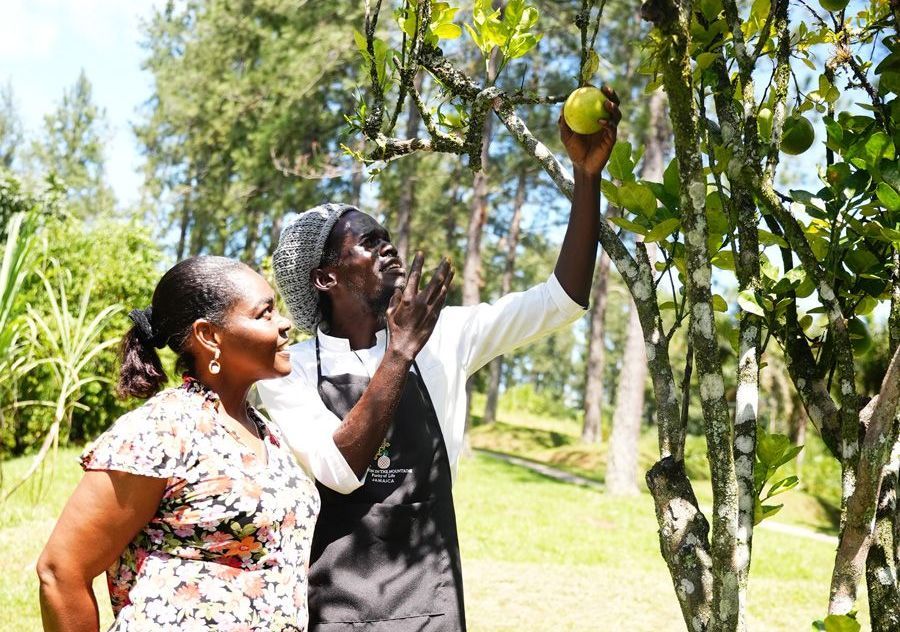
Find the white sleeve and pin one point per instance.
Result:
(489, 330)
(308, 427)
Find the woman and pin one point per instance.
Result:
(191, 503)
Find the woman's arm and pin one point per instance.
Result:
(105, 512)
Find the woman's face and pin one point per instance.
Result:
(253, 340)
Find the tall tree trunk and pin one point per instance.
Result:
(275, 232)
(882, 572)
(622, 462)
(407, 202)
(799, 421)
(478, 212)
(512, 243)
(183, 229)
(252, 240)
(592, 429)
(621, 469)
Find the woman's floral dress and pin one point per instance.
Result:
(228, 548)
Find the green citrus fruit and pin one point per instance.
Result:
(798, 135)
(764, 123)
(834, 5)
(859, 335)
(584, 110)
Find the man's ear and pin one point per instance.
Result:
(323, 279)
(206, 335)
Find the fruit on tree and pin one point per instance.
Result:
(798, 135)
(584, 110)
(764, 123)
(860, 338)
(834, 5)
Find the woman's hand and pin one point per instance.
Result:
(105, 512)
(412, 315)
(589, 153)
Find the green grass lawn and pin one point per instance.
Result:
(537, 555)
(555, 442)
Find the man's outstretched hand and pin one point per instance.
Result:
(412, 314)
(589, 153)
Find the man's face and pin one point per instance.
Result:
(368, 266)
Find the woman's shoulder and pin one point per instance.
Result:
(171, 410)
(153, 437)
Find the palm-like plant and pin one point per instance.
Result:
(14, 269)
(66, 343)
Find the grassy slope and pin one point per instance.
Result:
(556, 442)
(537, 555)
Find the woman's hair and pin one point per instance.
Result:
(198, 287)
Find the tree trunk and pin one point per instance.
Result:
(275, 231)
(592, 429)
(621, 470)
(478, 212)
(512, 243)
(407, 202)
(622, 463)
(799, 421)
(882, 577)
(183, 231)
(252, 236)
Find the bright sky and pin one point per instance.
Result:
(44, 44)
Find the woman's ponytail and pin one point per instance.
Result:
(141, 374)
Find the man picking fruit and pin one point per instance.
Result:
(375, 404)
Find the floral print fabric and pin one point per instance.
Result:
(228, 548)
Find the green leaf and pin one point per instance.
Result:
(447, 31)
(888, 196)
(860, 260)
(610, 192)
(784, 485)
(710, 9)
(671, 179)
(747, 301)
(590, 67)
(360, 40)
(704, 60)
(878, 147)
(761, 512)
(669, 201)
(771, 447)
(724, 260)
(638, 198)
(476, 37)
(663, 229)
(719, 303)
(769, 239)
(841, 623)
(621, 222)
(620, 164)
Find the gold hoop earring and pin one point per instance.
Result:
(214, 366)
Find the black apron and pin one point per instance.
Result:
(386, 556)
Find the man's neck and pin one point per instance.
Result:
(359, 330)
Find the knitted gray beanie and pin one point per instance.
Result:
(299, 252)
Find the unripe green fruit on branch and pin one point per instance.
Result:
(798, 135)
(584, 109)
(860, 338)
(764, 123)
(834, 5)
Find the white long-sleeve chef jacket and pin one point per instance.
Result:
(463, 341)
